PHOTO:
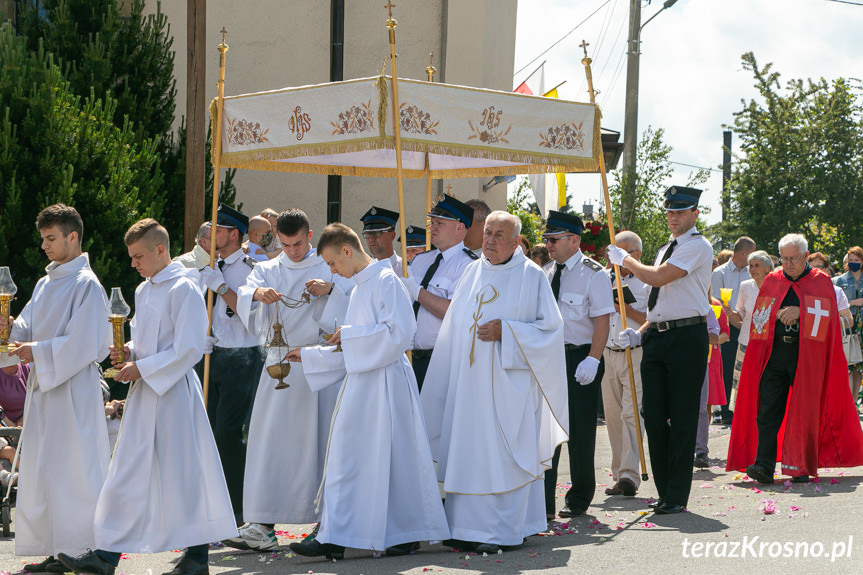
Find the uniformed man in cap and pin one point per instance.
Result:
(416, 241)
(434, 274)
(236, 356)
(675, 344)
(581, 290)
(379, 231)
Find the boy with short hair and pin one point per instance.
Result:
(164, 490)
(379, 489)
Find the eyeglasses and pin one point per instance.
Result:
(374, 234)
(552, 241)
(792, 260)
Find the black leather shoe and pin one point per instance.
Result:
(627, 487)
(188, 567)
(489, 548)
(657, 503)
(570, 511)
(668, 509)
(314, 548)
(403, 549)
(701, 461)
(87, 562)
(39, 567)
(800, 479)
(55, 567)
(760, 474)
(459, 545)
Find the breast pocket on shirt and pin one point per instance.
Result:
(441, 287)
(572, 305)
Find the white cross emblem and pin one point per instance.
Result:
(818, 312)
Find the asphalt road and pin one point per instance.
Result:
(733, 526)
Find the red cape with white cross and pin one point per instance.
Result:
(821, 426)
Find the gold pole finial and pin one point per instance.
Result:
(448, 188)
(584, 46)
(223, 47)
(430, 70)
(391, 22)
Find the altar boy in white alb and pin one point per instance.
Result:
(289, 427)
(165, 488)
(63, 331)
(379, 490)
(494, 397)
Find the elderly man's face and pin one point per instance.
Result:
(793, 260)
(499, 240)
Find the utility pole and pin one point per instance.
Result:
(726, 173)
(630, 122)
(337, 67)
(196, 118)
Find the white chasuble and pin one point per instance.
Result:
(289, 427)
(496, 411)
(165, 488)
(64, 455)
(379, 487)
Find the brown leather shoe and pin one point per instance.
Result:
(627, 487)
(614, 490)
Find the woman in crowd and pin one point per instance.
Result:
(851, 285)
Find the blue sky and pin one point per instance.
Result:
(691, 79)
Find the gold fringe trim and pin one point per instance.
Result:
(213, 110)
(383, 93)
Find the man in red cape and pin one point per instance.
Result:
(793, 400)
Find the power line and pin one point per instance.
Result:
(846, 2)
(694, 166)
(562, 38)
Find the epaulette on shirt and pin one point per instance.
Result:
(592, 264)
(470, 254)
(250, 262)
(696, 233)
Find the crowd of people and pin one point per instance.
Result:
(391, 403)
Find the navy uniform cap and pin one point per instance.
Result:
(678, 198)
(228, 216)
(379, 219)
(561, 223)
(450, 208)
(416, 236)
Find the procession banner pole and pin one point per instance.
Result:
(391, 25)
(430, 70)
(217, 158)
(618, 281)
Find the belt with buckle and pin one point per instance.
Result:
(788, 339)
(421, 353)
(675, 323)
(616, 348)
(571, 347)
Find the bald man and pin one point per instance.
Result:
(260, 234)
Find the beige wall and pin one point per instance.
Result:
(278, 43)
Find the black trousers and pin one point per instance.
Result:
(773, 389)
(420, 359)
(582, 437)
(234, 374)
(729, 356)
(673, 365)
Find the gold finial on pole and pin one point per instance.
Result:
(389, 6)
(448, 188)
(430, 70)
(619, 286)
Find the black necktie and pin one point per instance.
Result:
(427, 278)
(654, 291)
(555, 281)
(228, 311)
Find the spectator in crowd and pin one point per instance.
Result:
(416, 241)
(473, 237)
(723, 257)
(819, 261)
(260, 235)
(275, 246)
(717, 330)
(525, 245)
(539, 254)
(13, 388)
(200, 254)
(760, 264)
(851, 284)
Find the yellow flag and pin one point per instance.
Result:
(561, 180)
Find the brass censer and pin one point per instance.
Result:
(279, 370)
(118, 312)
(8, 289)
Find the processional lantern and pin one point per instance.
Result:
(118, 311)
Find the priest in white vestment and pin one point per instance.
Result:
(494, 398)
(165, 487)
(289, 427)
(63, 331)
(379, 490)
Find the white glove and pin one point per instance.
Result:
(213, 278)
(412, 286)
(629, 337)
(586, 370)
(209, 343)
(615, 254)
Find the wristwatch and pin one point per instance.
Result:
(223, 289)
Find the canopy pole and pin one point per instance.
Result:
(391, 25)
(430, 70)
(217, 159)
(618, 281)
